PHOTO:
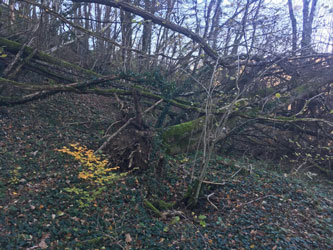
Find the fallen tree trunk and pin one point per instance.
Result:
(180, 137)
(14, 47)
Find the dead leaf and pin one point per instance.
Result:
(128, 238)
(75, 219)
(43, 245)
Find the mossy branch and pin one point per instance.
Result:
(14, 47)
(150, 206)
(293, 119)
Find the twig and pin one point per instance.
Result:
(109, 128)
(214, 183)
(131, 159)
(19, 54)
(121, 103)
(115, 241)
(85, 122)
(260, 198)
(300, 166)
(240, 168)
(211, 203)
(307, 102)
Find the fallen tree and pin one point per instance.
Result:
(277, 106)
(245, 111)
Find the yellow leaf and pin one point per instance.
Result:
(252, 246)
(60, 213)
(83, 175)
(278, 95)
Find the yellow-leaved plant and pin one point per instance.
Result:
(94, 170)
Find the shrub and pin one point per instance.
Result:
(95, 172)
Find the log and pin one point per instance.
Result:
(179, 137)
(14, 47)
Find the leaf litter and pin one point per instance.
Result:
(257, 210)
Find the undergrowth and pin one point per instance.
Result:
(93, 170)
(73, 199)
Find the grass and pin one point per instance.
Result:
(257, 208)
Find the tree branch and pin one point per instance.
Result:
(158, 20)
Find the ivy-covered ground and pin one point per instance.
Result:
(45, 205)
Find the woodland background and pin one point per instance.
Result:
(174, 99)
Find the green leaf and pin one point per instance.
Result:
(202, 217)
(278, 95)
(60, 213)
(184, 160)
(175, 220)
(219, 221)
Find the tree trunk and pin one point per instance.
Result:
(294, 26)
(308, 15)
(126, 34)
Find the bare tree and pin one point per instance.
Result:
(294, 26)
(308, 16)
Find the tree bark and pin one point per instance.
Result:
(294, 26)
(308, 15)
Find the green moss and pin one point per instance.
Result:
(150, 206)
(183, 130)
(178, 137)
(264, 92)
(186, 107)
(108, 92)
(14, 47)
(300, 90)
(189, 197)
(162, 205)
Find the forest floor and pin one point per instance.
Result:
(44, 205)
